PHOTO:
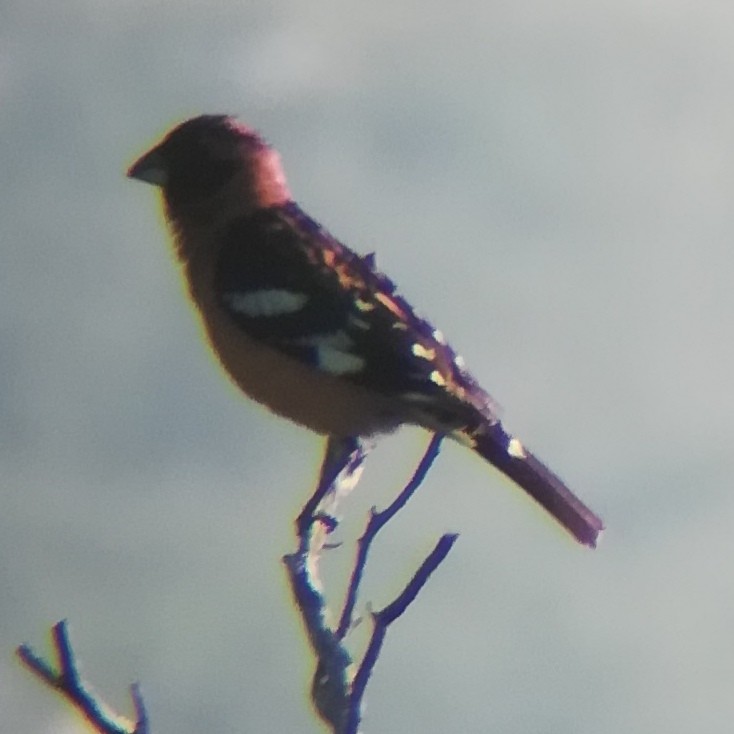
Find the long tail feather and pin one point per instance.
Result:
(515, 461)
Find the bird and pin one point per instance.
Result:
(310, 328)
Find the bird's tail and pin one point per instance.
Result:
(507, 454)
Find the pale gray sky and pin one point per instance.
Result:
(551, 183)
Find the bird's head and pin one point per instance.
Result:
(211, 157)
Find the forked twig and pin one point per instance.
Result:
(66, 680)
(337, 689)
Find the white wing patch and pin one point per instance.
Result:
(266, 303)
(338, 362)
(423, 352)
(364, 306)
(334, 353)
(515, 449)
(437, 378)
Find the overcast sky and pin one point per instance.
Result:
(551, 183)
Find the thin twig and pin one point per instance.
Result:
(382, 619)
(68, 683)
(376, 521)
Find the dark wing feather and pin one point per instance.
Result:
(346, 298)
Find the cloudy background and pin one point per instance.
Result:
(551, 182)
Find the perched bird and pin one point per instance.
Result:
(309, 328)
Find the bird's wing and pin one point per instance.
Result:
(288, 283)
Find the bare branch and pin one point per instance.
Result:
(384, 618)
(376, 521)
(68, 683)
(336, 690)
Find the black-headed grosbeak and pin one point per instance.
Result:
(307, 327)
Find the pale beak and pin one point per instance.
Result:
(150, 168)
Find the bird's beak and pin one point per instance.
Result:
(150, 168)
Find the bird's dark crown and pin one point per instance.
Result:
(208, 137)
(202, 154)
